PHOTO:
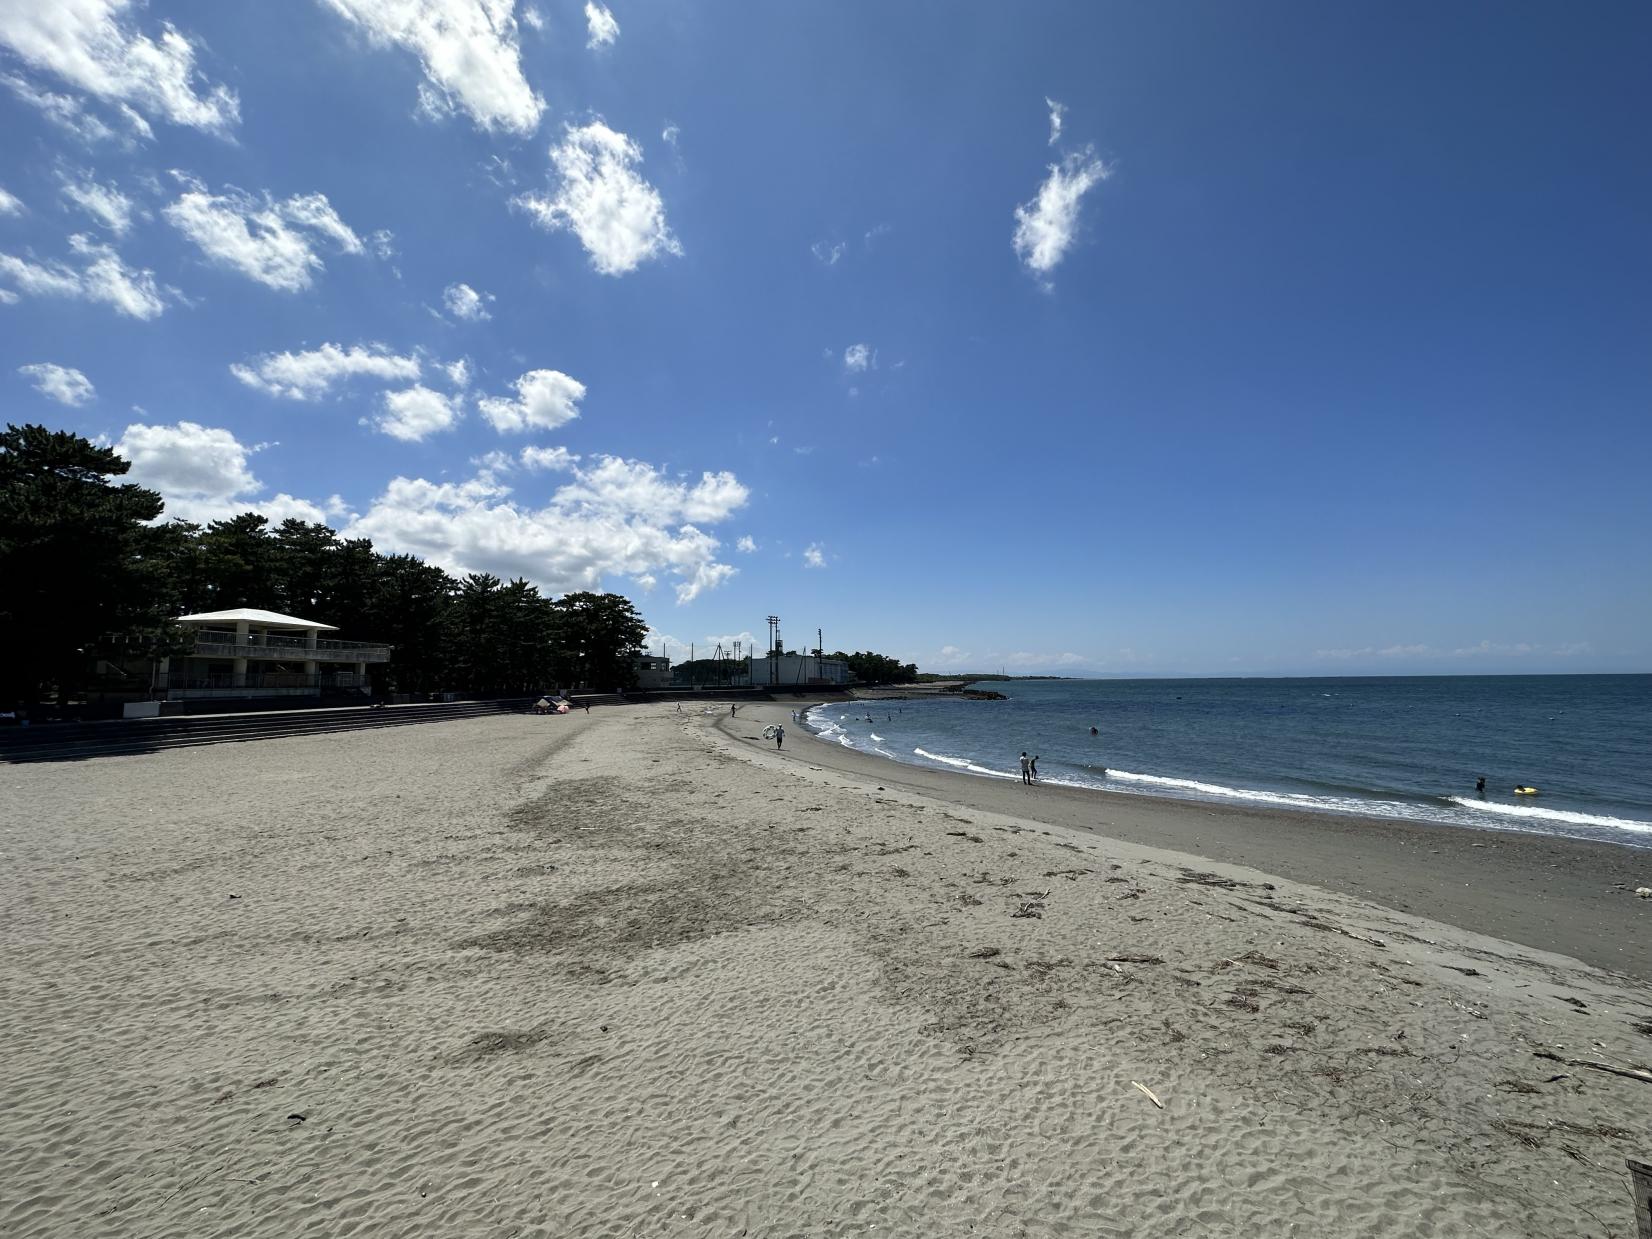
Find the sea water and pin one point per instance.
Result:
(1394, 747)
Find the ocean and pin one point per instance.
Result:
(1395, 747)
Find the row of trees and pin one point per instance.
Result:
(867, 668)
(870, 668)
(84, 574)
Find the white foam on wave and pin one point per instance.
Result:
(825, 728)
(963, 764)
(1534, 813)
(1251, 795)
(1299, 799)
(875, 736)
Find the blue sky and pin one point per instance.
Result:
(1116, 339)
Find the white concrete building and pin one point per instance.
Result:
(246, 652)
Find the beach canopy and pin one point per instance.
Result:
(252, 615)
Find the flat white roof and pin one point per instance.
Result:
(253, 615)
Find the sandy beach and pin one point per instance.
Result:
(637, 973)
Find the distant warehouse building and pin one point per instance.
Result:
(789, 670)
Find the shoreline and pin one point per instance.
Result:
(1570, 897)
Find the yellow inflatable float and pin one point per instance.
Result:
(1523, 790)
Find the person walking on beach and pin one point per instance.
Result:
(1026, 768)
(780, 735)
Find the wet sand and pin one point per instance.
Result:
(1568, 896)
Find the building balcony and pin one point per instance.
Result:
(219, 643)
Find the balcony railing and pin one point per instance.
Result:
(256, 681)
(219, 643)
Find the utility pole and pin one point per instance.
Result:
(774, 637)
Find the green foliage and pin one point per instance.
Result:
(77, 558)
(598, 636)
(871, 668)
(80, 560)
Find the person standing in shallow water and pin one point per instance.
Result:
(1026, 769)
(1034, 766)
(1480, 785)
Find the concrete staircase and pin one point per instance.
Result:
(77, 741)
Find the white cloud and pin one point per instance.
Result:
(103, 277)
(64, 111)
(533, 18)
(9, 204)
(469, 51)
(104, 203)
(1496, 649)
(203, 475)
(545, 399)
(858, 358)
(463, 301)
(94, 46)
(746, 545)
(416, 412)
(601, 25)
(1415, 650)
(40, 280)
(814, 556)
(383, 244)
(618, 518)
(1574, 649)
(1044, 227)
(669, 135)
(268, 241)
(63, 384)
(618, 217)
(188, 462)
(829, 254)
(107, 279)
(314, 212)
(1057, 111)
(311, 374)
(458, 372)
(951, 653)
(547, 459)
(616, 485)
